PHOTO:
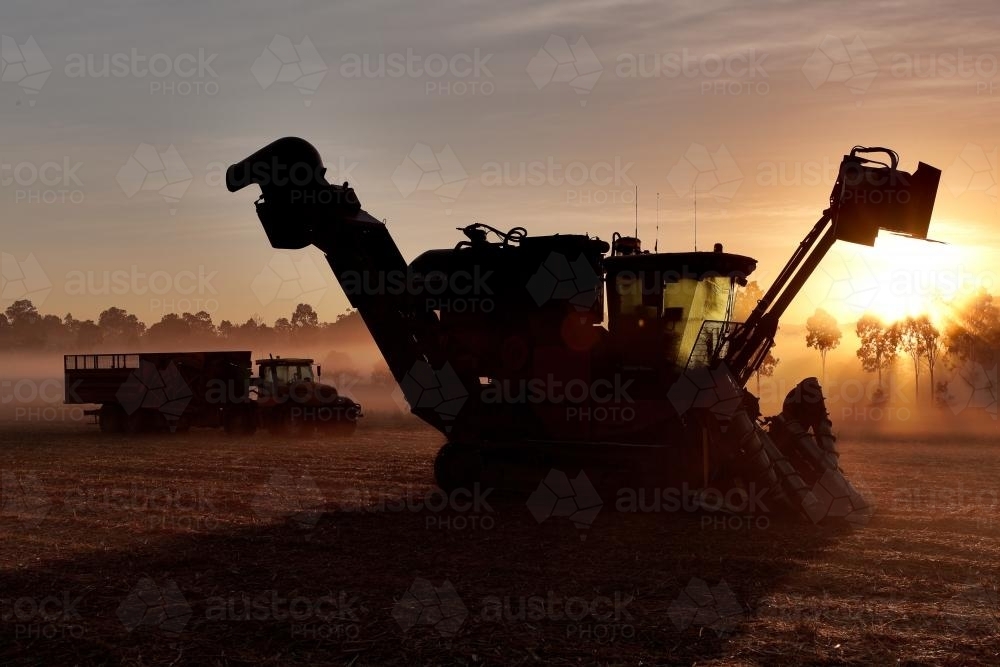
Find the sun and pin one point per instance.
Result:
(915, 277)
(897, 278)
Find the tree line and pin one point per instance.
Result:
(971, 336)
(23, 327)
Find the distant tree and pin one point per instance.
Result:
(304, 316)
(119, 327)
(171, 328)
(823, 334)
(52, 333)
(226, 329)
(974, 333)
(200, 326)
(253, 330)
(348, 316)
(911, 342)
(929, 341)
(88, 335)
(22, 313)
(766, 368)
(878, 345)
(283, 326)
(85, 335)
(746, 300)
(24, 321)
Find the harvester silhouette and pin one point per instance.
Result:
(500, 341)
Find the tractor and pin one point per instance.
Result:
(292, 400)
(566, 352)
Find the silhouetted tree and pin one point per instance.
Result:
(119, 327)
(283, 327)
(304, 316)
(974, 333)
(927, 341)
(200, 326)
(746, 300)
(171, 327)
(51, 332)
(766, 368)
(88, 336)
(911, 342)
(24, 323)
(822, 333)
(879, 345)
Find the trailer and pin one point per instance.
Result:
(175, 391)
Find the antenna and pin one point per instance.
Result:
(696, 219)
(637, 211)
(656, 242)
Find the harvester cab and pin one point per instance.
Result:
(500, 341)
(671, 308)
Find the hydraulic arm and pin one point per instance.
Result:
(298, 208)
(869, 195)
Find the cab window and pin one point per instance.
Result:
(288, 374)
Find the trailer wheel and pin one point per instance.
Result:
(137, 422)
(240, 422)
(112, 419)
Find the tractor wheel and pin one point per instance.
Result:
(343, 428)
(137, 422)
(284, 424)
(111, 419)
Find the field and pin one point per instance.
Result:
(197, 548)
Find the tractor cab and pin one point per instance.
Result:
(280, 372)
(670, 308)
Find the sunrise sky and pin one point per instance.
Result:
(112, 161)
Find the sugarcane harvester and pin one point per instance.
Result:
(500, 342)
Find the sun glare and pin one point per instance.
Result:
(897, 278)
